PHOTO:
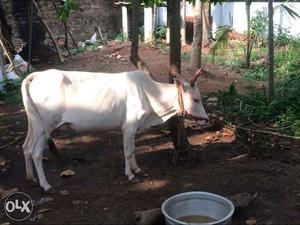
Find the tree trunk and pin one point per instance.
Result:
(198, 33)
(210, 21)
(175, 44)
(248, 50)
(134, 55)
(271, 52)
(206, 24)
(176, 125)
(183, 23)
(134, 31)
(168, 28)
(154, 23)
(66, 38)
(29, 7)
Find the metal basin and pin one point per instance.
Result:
(197, 203)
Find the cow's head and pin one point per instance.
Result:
(191, 97)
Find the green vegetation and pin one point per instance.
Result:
(120, 37)
(160, 33)
(186, 55)
(258, 28)
(12, 91)
(66, 8)
(12, 88)
(253, 107)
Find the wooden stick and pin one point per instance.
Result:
(12, 142)
(39, 14)
(100, 33)
(72, 38)
(264, 132)
(11, 62)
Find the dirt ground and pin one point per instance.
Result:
(99, 192)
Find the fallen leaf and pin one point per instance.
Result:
(2, 103)
(41, 201)
(34, 218)
(5, 193)
(67, 173)
(5, 223)
(251, 221)
(76, 202)
(240, 157)
(40, 216)
(242, 200)
(209, 138)
(44, 210)
(2, 161)
(64, 192)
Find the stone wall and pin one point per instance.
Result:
(90, 13)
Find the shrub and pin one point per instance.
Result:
(284, 109)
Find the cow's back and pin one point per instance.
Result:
(85, 100)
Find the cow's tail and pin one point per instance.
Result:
(30, 106)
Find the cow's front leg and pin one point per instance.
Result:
(129, 147)
(134, 166)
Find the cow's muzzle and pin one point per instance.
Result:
(199, 118)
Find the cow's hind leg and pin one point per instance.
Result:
(37, 156)
(27, 149)
(129, 148)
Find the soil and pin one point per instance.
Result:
(99, 192)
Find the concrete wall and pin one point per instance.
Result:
(90, 13)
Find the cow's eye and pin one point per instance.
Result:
(196, 100)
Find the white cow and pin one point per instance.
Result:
(130, 101)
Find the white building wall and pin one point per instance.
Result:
(237, 10)
(161, 18)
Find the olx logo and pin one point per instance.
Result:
(18, 206)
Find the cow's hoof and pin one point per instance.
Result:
(51, 190)
(138, 171)
(135, 180)
(32, 183)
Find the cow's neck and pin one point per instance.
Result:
(164, 101)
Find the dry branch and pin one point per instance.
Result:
(39, 14)
(265, 132)
(100, 34)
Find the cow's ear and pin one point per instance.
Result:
(181, 83)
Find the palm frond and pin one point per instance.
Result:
(287, 10)
(221, 43)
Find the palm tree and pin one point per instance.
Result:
(248, 48)
(198, 34)
(270, 51)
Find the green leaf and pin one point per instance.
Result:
(66, 8)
